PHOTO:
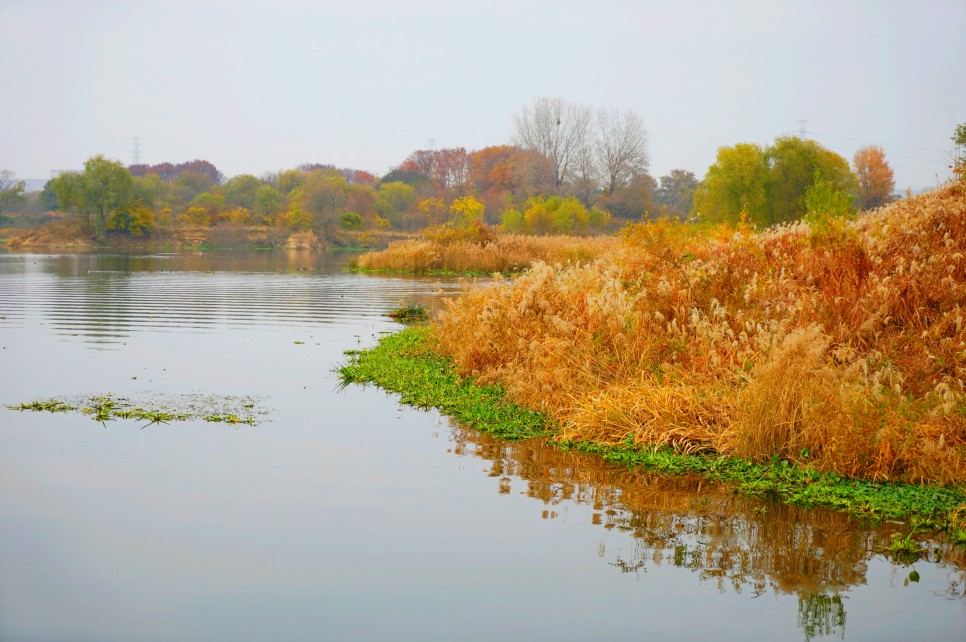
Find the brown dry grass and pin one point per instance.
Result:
(841, 345)
(481, 250)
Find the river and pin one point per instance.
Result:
(341, 515)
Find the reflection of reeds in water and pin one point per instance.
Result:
(839, 347)
(735, 541)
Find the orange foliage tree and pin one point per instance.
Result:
(875, 177)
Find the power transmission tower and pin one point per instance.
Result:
(801, 128)
(136, 152)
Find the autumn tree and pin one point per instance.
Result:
(407, 172)
(491, 169)
(450, 168)
(97, 193)
(874, 177)
(532, 174)
(11, 191)
(675, 193)
(187, 186)
(362, 200)
(323, 196)
(465, 212)
(621, 147)
(169, 171)
(555, 129)
(135, 220)
(634, 201)
(289, 180)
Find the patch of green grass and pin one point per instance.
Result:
(405, 363)
(452, 273)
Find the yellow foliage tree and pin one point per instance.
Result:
(195, 216)
(466, 212)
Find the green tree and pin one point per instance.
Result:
(11, 191)
(734, 186)
(351, 221)
(149, 190)
(512, 221)
(959, 140)
(101, 190)
(268, 202)
(241, 190)
(213, 204)
(824, 199)
(794, 164)
(768, 186)
(393, 200)
(48, 197)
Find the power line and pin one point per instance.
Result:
(869, 142)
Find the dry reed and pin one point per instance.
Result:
(841, 346)
(481, 251)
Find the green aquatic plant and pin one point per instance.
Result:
(410, 314)
(905, 549)
(103, 408)
(53, 405)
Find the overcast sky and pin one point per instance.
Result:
(262, 86)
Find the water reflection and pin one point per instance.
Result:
(104, 298)
(738, 543)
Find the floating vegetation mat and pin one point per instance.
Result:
(157, 409)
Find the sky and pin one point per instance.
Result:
(255, 87)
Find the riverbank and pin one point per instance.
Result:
(408, 363)
(66, 235)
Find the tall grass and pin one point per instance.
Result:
(480, 250)
(839, 345)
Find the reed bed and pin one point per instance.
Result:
(481, 250)
(838, 345)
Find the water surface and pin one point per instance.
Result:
(343, 515)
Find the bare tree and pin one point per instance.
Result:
(621, 147)
(556, 129)
(585, 174)
(11, 190)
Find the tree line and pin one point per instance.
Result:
(570, 169)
